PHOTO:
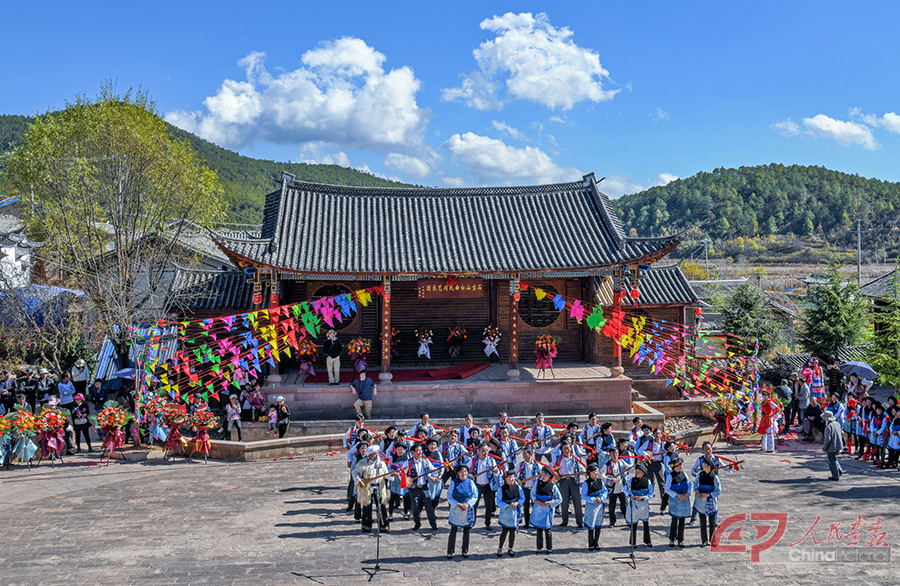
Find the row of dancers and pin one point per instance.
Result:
(604, 476)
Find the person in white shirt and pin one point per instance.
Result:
(570, 468)
(615, 484)
(540, 436)
(483, 470)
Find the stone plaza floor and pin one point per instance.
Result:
(279, 522)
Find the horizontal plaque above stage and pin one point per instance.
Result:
(441, 289)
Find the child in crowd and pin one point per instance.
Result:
(273, 420)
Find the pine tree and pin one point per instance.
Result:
(837, 317)
(749, 316)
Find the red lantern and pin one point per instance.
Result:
(698, 312)
(635, 293)
(256, 299)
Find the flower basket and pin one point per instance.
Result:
(25, 425)
(307, 351)
(110, 421)
(51, 424)
(358, 350)
(455, 337)
(204, 419)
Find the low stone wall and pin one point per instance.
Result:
(682, 408)
(285, 447)
(317, 437)
(693, 437)
(655, 389)
(456, 399)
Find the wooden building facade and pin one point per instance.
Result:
(451, 257)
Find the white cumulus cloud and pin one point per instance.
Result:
(318, 154)
(341, 95)
(494, 162)
(531, 60)
(412, 166)
(843, 132)
(666, 178)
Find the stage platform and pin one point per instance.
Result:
(577, 387)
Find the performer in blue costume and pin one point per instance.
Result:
(639, 491)
(546, 498)
(510, 499)
(678, 487)
(706, 492)
(594, 495)
(462, 494)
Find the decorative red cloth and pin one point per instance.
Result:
(52, 442)
(173, 442)
(544, 359)
(201, 442)
(114, 439)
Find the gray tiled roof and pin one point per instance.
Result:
(330, 229)
(880, 288)
(658, 286)
(200, 291)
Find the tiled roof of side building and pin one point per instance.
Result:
(664, 285)
(331, 229)
(879, 288)
(200, 291)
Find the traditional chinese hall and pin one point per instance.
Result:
(468, 258)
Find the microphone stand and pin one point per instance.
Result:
(377, 505)
(631, 559)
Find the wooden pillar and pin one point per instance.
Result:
(385, 375)
(617, 349)
(514, 296)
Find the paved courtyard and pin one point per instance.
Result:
(282, 521)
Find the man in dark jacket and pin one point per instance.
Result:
(833, 444)
(332, 350)
(29, 387)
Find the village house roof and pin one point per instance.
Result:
(879, 288)
(569, 229)
(657, 286)
(198, 291)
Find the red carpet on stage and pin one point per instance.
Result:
(459, 371)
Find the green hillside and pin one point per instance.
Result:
(753, 202)
(246, 180)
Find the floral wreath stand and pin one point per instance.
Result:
(52, 444)
(24, 449)
(545, 363)
(201, 443)
(112, 443)
(174, 442)
(424, 352)
(456, 349)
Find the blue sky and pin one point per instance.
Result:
(483, 93)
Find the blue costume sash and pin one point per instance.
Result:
(680, 488)
(640, 492)
(706, 488)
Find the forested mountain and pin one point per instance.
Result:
(760, 201)
(246, 180)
